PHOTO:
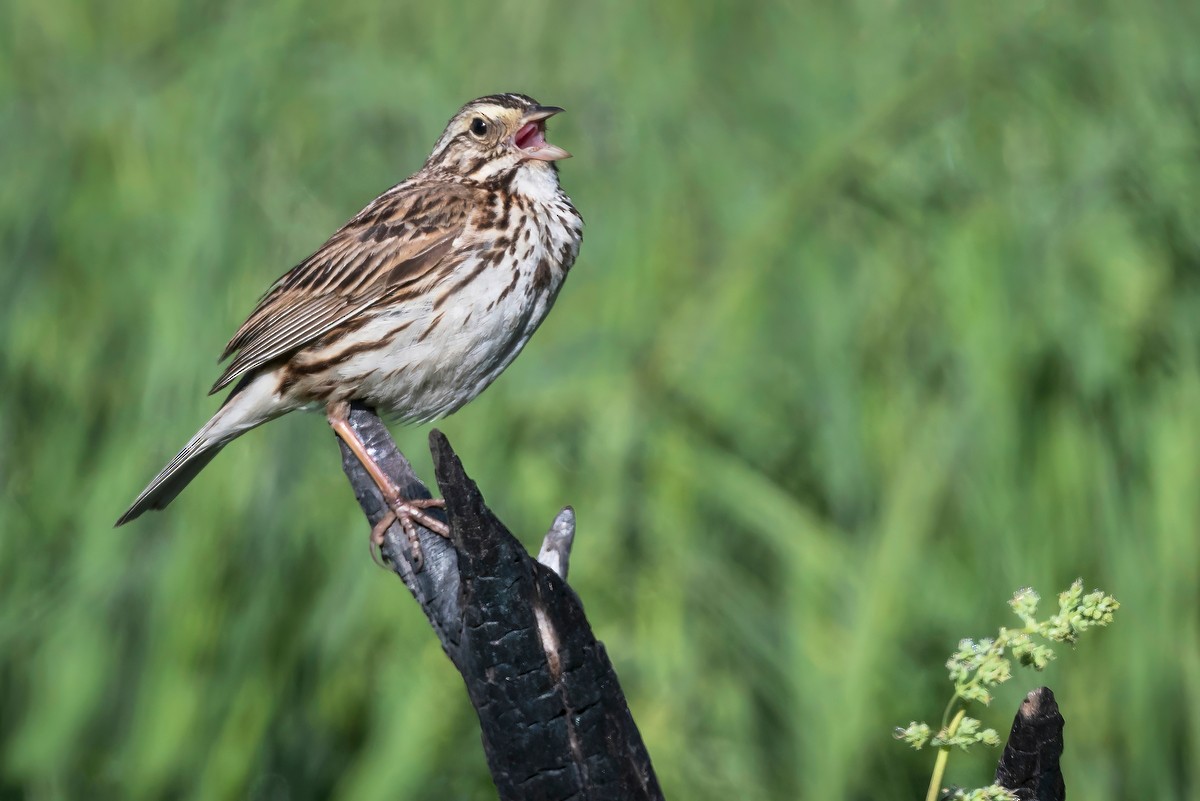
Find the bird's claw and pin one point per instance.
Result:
(408, 514)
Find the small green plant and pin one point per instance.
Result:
(979, 665)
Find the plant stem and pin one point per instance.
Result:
(939, 765)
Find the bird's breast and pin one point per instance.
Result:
(426, 356)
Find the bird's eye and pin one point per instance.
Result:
(479, 126)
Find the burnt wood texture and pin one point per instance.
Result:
(1029, 765)
(554, 721)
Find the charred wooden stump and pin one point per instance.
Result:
(1029, 765)
(554, 720)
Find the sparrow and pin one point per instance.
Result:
(413, 307)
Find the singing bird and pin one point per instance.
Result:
(414, 306)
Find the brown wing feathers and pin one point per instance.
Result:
(397, 242)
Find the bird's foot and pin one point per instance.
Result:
(409, 513)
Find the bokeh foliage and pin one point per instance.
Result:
(884, 310)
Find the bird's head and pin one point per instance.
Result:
(492, 136)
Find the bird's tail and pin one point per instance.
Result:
(251, 404)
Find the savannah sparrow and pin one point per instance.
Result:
(413, 307)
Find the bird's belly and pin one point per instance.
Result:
(430, 358)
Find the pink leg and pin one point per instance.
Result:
(406, 511)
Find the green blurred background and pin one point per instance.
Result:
(884, 310)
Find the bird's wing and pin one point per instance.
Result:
(397, 244)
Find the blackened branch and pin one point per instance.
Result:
(554, 720)
(1029, 765)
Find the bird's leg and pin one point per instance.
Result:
(406, 511)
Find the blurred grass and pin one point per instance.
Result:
(880, 304)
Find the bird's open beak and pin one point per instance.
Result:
(530, 138)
